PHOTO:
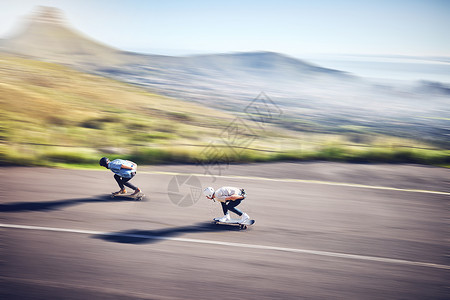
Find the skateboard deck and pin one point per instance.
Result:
(137, 197)
(242, 225)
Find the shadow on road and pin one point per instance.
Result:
(153, 236)
(54, 205)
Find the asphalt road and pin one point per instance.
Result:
(322, 231)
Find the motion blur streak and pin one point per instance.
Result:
(228, 244)
(310, 181)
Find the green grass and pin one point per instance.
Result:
(88, 157)
(373, 155)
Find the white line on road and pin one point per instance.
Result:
(239, 245)
(305, 181)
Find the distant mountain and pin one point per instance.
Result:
(47, 35)
(224, 80)
(430, 87)
(269, 62)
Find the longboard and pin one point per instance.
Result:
(242, 225)
(137, 197)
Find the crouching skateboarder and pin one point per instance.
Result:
(229, 198)
(124, 171)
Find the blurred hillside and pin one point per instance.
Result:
(51, 114)
(57, 106)
(312, 98)
(48, 105)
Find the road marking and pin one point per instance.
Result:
(304, 181)
(238, 245)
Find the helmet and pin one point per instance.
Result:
(104, 162)
(208, 192)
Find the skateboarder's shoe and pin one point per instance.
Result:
(137, 191)
(121, 192)
(244, 217)
(225, 218)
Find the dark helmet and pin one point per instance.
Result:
(104, 162)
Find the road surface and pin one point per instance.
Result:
(322, 231)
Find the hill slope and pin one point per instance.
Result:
(51, 114)
(229, 82)
(49, 105)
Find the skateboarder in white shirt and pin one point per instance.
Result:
(229, 198)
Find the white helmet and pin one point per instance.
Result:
(208, 192)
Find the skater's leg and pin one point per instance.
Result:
(128, 184)
(131, 186)
(232, 207)
(119, 181)
(226, 214)
(224, 208)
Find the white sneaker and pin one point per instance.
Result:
(225, 218)
(244, 217)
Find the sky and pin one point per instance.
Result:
(378, 27)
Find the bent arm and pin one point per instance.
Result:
(234, 197)
(129, 168)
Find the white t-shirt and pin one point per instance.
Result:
(225, 192)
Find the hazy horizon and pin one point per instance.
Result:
(316, 34)
(406, 28)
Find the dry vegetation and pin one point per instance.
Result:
(51, 114)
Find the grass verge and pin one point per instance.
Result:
(88, 158)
